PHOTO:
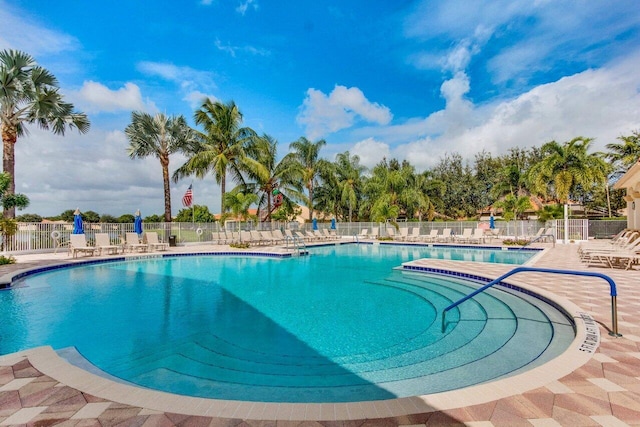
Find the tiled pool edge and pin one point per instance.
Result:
(49, 363)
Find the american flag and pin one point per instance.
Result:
(188, 197)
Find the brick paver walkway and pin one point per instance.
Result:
(603, 392)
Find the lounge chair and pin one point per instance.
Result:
(445, 236)
(267, 237)
(477, 236)
(375, 232)
(132, 243)
(245, 237)
(404, 233)
(327, 234)
(464, 237)
(391, 232)
(103, 244)
(431, 237)
(319, 235)
(154, 242)
(537, 235)
(414, 236)
(278, 237)
(78, 244)
(363, 234)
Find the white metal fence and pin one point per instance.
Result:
(43, 237)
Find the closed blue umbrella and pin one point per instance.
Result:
(315, 223)
(333, 223)
(137, 223)
(492, 222)
(77, 223)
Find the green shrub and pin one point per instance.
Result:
(239, 245)
(7, 260)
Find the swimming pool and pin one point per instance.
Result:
(337, 326)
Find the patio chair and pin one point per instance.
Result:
(363, 233)
(277, 235)
(132, 243)
(267, 237)
(445, 236)
(391, 232)
(154, 242)
(327, 234)
(78, 244)
(464, 237)
(477, 236)
(431, 237)
(375, 232)
(103, 244)
(414, 236)
(404, 233)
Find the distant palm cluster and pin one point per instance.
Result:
(342, 189)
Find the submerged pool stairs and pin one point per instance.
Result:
(485, 343)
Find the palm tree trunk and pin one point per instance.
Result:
(9, 138)
(310, 188)
(223, 186)
(164, 161)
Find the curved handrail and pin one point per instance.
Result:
(538, 238)
(612, 286)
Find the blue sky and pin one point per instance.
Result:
(407, 79)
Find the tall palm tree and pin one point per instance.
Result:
(307, 154)
(267, 174)
(29, 94)
(159, 136)
(625, 153)
(566, 166)
(222, 145)
(349, 179)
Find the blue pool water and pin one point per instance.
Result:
(339, 325)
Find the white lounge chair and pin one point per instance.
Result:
(132, 243)
(103, 244)
(431, 237)
(445, 236)
(404, 233)
(464, 237)
(278, 237)
(78, 244)
(154, 242)
(414, 236)
(363, 233)
(477, 236)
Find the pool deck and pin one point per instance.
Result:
(37, 388)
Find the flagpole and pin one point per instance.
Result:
(193, 206)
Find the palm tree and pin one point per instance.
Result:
(566, 166)
(626, 153)
(266, 174)
(29, 94)
(349, 179)
(159, 136)
(307, 154)
(221, 148)
(239, 203)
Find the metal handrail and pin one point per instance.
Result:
(538, 238)
(612, 286)
(294, 242)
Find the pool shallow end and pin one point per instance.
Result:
(47, 361)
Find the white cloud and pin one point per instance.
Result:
(20, 32)
(185, 77)
(370, 151)
(94, 172)
(95, 97)
(322, 114)
(196, 97)
(244, 5)
(233, 50)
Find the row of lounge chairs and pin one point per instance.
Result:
(468, 235)
(273, 237)
(622, 251)
(78, 244)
